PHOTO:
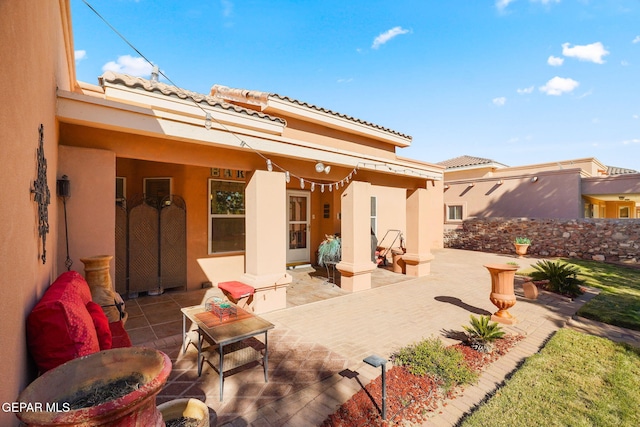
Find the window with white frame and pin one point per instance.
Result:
(454, 212)
(624, 212)
(374, 214)
(226, 216)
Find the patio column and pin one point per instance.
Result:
(418, 256)
(266, 241)
(356, 266)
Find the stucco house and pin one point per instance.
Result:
(580, 188)
(249, 182)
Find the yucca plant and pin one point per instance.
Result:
(563, 278)
(482, 332)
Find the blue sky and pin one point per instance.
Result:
(517, 81)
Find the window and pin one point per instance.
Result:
(454, 213)
(121, 189)
(374, 214)
(624, 212)
(226, 216)
(157, 188)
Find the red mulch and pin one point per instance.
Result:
(410, 398)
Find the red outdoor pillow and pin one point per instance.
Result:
(119, 335)
(60, 328)
(101, 324)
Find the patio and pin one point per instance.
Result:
(325, 330)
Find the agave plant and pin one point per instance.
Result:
(563, 278)
(482, 332)
(523, 241)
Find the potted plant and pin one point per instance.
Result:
(330, 250)
(521, 244)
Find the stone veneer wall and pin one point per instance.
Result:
(616, 240)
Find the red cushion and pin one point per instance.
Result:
(101, 323)
(119, 335)
(237, 290)
(60, 328)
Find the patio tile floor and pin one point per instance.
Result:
(325, 330)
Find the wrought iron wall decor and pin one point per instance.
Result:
(41, 194)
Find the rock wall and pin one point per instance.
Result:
(614, 240)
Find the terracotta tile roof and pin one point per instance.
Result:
(255, 97)
(467, 161)
(169, 90)
(612, 170)
(344, 116)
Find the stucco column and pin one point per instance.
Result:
(266, 241)
(418, 256)
(356, 266)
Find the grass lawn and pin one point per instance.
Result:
(576, 380)
(619, 300)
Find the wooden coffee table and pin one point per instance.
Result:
(234, 337)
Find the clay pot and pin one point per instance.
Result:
(96, 273)
(138, 408)
(188, 408)
(521, 249)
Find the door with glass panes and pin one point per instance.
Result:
(298, 233)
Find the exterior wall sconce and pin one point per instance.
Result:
(321, 167)
(379, 362)
(534, 179)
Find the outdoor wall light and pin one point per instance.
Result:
(208, 121)
(321, 167)
(379, 362)
(534, 179)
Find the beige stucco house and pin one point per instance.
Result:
(579, 188)
(249, 182)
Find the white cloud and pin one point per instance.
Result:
(545, 1)
(591, 52)
(631, 141)
(80, 55)
(227, 8)
(501, 5)
(387, 35)
(555, 61)
(636, 116)
(129, 65)
(559, 85)
(499, 102)
(349, 80)
(526, 90)
(636, 40)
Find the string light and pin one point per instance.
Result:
(208, 123)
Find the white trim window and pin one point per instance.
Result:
(624, 212)
(226, 216)
(374, 214)
(455, 212)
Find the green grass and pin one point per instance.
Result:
(576, 380)
(619, 300)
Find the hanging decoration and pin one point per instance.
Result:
(41, 194)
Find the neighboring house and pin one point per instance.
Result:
(207, 177)
(580, 188)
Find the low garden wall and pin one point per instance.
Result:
(613, 240)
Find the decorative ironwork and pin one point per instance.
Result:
(42, 195)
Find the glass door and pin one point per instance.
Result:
(298, 237)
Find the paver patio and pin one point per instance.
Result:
(312, 343)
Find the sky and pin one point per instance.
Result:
(516, 81)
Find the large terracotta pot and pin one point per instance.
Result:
(502, 293)
(138, 408)
(521, 249)
(96, 273)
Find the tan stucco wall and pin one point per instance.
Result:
(91, 207)
(555, 194)
(33, 53)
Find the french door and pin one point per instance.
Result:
(298, 233)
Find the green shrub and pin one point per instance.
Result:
(431, 357)
(563, 278)
(482, 332)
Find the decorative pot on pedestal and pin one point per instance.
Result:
(73, 394)
(521, 249)
(96, 273)
(502, 291)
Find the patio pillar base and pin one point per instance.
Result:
(418, 265)
(355, 278)
(271, 291)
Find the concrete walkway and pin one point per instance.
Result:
(381, 320)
